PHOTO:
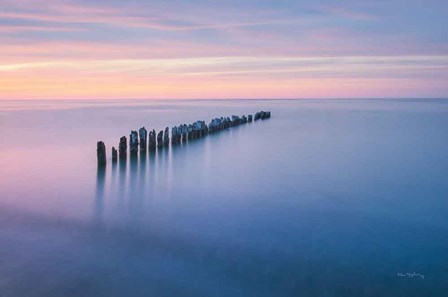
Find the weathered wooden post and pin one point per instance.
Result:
(190, 131)
(227, 122)
(203, 129)
(133, 143)
(179, 134)
(152, 140)
(175, 135)
(160, 139)
(235, 121)
(123, 147)
(101, 153)
(166, 136)
(211, 126)
(195, 130)
(114, 154)
(143, 135)
(249, 118)
(184, 132)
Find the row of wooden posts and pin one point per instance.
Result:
(179, 134)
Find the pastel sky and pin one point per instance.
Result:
(223, 49)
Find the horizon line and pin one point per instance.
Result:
(225, 99)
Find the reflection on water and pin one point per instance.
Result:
(99, 197)
(131, 182)
(328, 198)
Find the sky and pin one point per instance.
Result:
(154, 49)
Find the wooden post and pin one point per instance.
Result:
(184, 132)
(143, 135)
(166, 136)
(101, 153)
(123, 147)
(133, 142)
(190, 131)
(175, 135)
(235, 121)
(227, 123)
(152, 140)
(160, 139)
(114, 154)
(203, 129)
(196, 129)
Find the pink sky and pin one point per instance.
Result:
(175, 50)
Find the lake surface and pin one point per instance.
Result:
(326, 198)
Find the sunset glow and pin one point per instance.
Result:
(174, 49)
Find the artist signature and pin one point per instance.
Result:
(410, 275)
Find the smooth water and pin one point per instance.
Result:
(326, 198)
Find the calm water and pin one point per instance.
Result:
(327, 198)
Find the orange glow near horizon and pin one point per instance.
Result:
(221, 78)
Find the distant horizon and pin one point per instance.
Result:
(101, 49)
(222, 99)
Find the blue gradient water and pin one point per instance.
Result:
(327, 198)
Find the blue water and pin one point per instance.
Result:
(326, 198)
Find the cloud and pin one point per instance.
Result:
(235, 67)
(36, 28)
(153, 18)
(346, 13)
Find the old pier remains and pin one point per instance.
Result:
(179, 134)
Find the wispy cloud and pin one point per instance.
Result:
(234, 68)
(37, 28)
(344, 12)
(70, 13)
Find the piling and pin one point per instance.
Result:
(152, 140)
(160, 139)
(235, 121)
(166, 136)
(143, 135)
(101, 153)
(133, 143)
(190, 131)
(175, 135)
(114, 154)
(184, 132)
(123, 147)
